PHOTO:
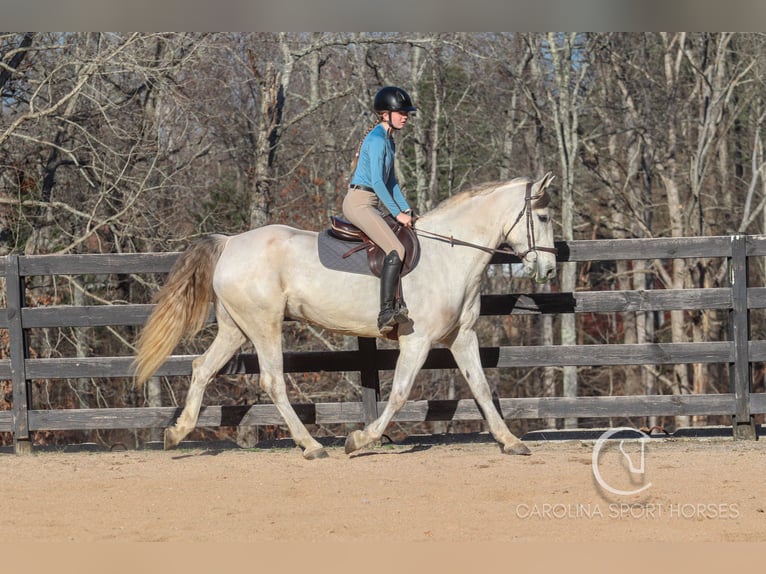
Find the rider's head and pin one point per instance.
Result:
(392, 99)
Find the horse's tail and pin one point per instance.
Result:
(182, 305)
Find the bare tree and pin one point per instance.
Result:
(559, 54)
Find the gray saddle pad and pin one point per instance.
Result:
(331, 252)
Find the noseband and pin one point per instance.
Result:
(531, 245)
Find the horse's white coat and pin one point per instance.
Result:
(273, 272)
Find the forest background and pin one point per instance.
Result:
(142, 142)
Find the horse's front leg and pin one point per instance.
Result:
(411, 358)
(465, 349)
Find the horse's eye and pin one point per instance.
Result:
(543, 218)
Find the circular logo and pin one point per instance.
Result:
(633, 469)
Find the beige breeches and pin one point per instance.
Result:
(360, 208)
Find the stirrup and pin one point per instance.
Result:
(401, 313)
(387, 328)
(386, 319)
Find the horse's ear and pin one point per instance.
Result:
(542, 183)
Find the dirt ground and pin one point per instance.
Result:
(695, 490)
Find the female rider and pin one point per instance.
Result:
(373, 185)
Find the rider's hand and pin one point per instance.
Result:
(405, 219)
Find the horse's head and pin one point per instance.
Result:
(531, 231)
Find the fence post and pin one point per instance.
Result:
(18, 350)
(739, 330)
(370, 378)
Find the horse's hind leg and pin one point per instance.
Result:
(228, 340)
(267, 339)
(465, 349)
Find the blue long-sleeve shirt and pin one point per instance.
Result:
(375, 169)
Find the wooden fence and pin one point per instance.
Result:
(738, 352)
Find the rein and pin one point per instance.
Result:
(527, 209)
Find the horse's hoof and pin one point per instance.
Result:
(353, 442)
(517, 448)
(170, 442)
(315, 454)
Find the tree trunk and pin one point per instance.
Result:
(273, 84)
(565, 103)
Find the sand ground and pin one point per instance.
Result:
(695, 490)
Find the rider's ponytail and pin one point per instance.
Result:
(359, 149)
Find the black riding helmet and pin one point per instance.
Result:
(392, 99)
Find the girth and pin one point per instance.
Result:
(358, 240)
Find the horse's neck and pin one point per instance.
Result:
(475, 220)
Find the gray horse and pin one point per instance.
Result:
(260, 276)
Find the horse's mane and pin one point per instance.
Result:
(540, 201)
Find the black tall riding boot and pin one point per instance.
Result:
(390, 314)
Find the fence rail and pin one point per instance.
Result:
(738, 352)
